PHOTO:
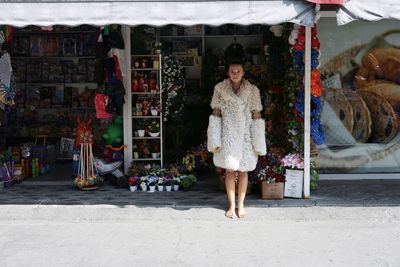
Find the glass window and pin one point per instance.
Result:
(360, 70)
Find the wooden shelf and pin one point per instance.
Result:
(233, 35)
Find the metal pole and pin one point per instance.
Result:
(307, 111)
(127, 110)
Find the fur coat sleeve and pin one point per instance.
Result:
(235, 138)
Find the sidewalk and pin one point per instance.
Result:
(357, 193)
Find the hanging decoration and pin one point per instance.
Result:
(297, 39)
(173, 82)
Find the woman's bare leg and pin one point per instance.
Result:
(242, 189)
(230, 191)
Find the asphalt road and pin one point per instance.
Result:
(99, 235)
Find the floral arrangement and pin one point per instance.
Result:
(152, 180)
(297, 38)
(143, 180)
(154, 127)
(271, 175)
(168, 180)
(161, 181)
(187, 181)
(293, 161)
(176, 180)
(133, 180)
(173, 81)
(269, 168)
(157, 45)
(196, 159)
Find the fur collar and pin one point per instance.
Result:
(242, 95)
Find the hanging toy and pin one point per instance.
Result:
(86, 178)
(113, 135)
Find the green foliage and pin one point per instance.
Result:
(314, 176)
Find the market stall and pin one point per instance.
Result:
(157, 13)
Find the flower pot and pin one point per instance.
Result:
(176, 187)
(154, 112)
(152, 188)
(272, 190)
(154, 155)
(158, 51)
(136, 155)
(141, 133)
(143, 187)
(160, 188)
(133, 188)
(154, 134)
(168, 188)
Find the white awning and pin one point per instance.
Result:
(368, 10)
(134, 12)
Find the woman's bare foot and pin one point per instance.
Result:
(230, 213)
(241, 213)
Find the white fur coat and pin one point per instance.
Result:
(235, 139)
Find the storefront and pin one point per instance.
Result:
(336, 156)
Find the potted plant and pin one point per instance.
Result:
(168, 183)
(133, 182)
(187, 181)
(160, 184)
(272, 182)
(176, 182)
(294, 165)
(157, 47)
(154, 129)
(152, 181)
(143, 183)
(154, 108)
(140, 126)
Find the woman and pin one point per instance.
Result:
(236, 133)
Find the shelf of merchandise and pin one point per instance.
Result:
(53, 57)
(145, 137)
(147, 159)
(23, 57)
(21, 32)
(150, 95)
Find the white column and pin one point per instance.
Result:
(127, 110)
(307, 100)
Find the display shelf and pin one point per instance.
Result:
(146, 159)
(232, 35)
(150, 79)
(145, 93)
(181, 36)
(52, 83)
(146, 117)
(53, 57)
(145, 69)
(148, 55)
(17, 33)
(145, 138)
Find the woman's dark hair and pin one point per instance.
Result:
(234, 61)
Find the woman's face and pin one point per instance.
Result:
(236, 73)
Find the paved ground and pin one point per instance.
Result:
(204, 194)
(107, 235)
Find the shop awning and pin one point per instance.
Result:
(368, 10)
(134, 12)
